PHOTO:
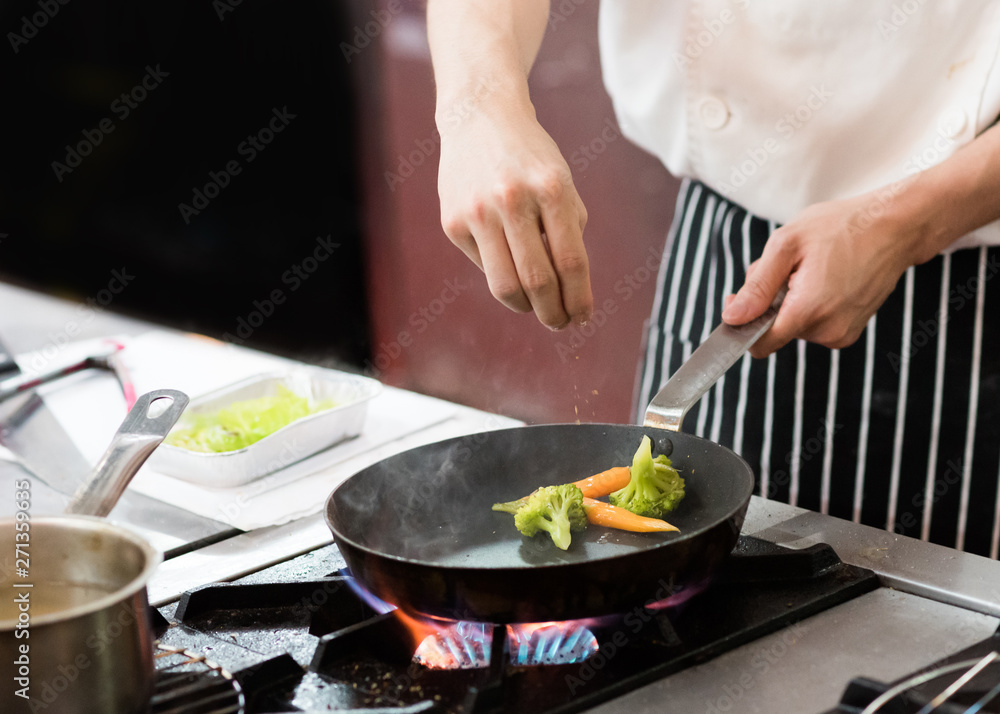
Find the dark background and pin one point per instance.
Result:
(119, 208)
(385, 302)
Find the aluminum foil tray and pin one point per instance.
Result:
(299, 440)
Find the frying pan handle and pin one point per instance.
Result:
(707, 364)
(141, 432)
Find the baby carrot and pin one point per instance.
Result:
(594, 486)
(605, 482)
(604, 514)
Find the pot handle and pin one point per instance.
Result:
(142, 431)
(705, 366)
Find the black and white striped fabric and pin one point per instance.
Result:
(900, 431)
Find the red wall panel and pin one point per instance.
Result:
(435, 327)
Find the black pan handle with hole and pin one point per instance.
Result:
(418, 531)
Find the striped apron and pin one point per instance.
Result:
(901, 430)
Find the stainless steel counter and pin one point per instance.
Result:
(935, 602)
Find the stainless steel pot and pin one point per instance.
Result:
(74, 621)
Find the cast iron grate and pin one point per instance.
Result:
(190, 683)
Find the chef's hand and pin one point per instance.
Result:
(507, 196)
(508, 201)
(838, 272)
(842, 259)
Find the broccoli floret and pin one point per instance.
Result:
(556, 510)
(654, 489)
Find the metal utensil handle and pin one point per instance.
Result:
(135, 440)
(17, 383)
(706, 365)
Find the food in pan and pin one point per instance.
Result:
(591, 487)
(639, 494)
(604, 514)
(654, 488)
(605, 482)
(557, 510)
(243, 423)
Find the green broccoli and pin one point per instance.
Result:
(554, 509)
(654, 489)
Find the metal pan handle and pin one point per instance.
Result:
(707, 364)
(141, 432)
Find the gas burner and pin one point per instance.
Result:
(467, 645)
(965, 683)
(449, 644)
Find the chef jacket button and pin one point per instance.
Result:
(714, 113)
(952, 123)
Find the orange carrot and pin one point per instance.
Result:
(604, 514)
(605, 482)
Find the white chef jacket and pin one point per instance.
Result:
(779, 104)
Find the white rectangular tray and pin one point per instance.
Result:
(290, 444)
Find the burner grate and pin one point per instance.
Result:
(303, 641)
(190, 683)
(762, 589)
(965, 683)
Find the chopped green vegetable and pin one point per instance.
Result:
(557, 510)
(242, 423)
(654, 488)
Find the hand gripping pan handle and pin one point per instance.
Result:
(144, 427)
(707, 364)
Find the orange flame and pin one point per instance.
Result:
(445, 644)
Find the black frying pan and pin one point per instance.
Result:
(417, 528)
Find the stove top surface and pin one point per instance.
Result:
(298, 638)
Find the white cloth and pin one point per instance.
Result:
(779, 104)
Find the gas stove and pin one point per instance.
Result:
(302, 636)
